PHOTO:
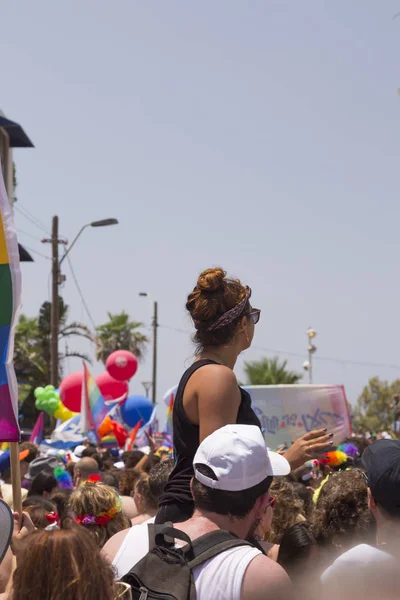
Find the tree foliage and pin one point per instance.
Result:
(119, 333)
(270, 371)
(374, 410)
(32, 350)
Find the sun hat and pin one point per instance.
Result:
(42, 463)
(6, 528)
(239, 459)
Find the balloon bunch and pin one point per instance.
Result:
(48, 399)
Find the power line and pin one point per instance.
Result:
(343, 361)
(80, 292)
(28, 234)
(36, 252)
(25, 213)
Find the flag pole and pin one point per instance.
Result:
(16, 477)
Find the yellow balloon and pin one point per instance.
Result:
(63, 413)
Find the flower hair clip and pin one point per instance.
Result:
(101, 519)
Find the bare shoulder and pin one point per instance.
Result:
(214, 371)
(264, 579)
(111, 547)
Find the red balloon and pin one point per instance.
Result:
(71, 391)
(122, 365)
(110, 388)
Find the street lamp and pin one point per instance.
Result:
(155, 326)
(307, 366)
(54, 240)
(102, 223)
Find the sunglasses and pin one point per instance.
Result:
(255, 315)
(271, 501)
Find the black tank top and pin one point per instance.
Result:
(187, 440)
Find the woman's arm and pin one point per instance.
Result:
(218, 398)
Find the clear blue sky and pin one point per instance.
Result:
(262, 136)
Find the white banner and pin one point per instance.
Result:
(287, 412)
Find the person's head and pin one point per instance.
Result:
(296, 549)
(341, 517)
(90, 450)
(97, 507)
(33, 453)
(43, 484)
(131, 458)
(382, 463)
(84, 468)
(62, 564)
(221, 311)
(150, 486)
(111, 478)
(288, 509)
(127, 481)
(61, 500)
(306, 496)
(233, 471)
(38, 508)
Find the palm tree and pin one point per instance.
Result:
(32, 351)
(270, 371)
(119, 333)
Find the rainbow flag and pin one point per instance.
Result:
(94, 409)
(10, 301)
(37, 431)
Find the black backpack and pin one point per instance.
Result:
(165, 573)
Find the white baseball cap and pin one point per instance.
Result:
(239, 459)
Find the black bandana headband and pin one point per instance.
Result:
(230, 315)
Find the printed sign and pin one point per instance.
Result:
(287, 412)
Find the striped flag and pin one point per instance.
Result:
(37, 431)
(10, 301)
(93, 407)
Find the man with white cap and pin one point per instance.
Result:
(233, 473)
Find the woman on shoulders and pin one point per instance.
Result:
(208, 395)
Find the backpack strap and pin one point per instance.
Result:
(156, 536)
(211, 544)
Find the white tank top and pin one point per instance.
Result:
(219, 578)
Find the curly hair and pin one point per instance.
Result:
(214, 294)
(127, 481)
(341, 516)
(94, 499)
(288, 509)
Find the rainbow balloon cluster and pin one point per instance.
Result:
(48, 399)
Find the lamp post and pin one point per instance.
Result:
(155, 326)
(311, 349)
(57, 279)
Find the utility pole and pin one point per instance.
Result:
(54, 304)
(155, 326)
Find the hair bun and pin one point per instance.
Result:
(211, 280)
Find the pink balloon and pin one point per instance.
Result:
(71, 391)
(110, 388)
(122, 365)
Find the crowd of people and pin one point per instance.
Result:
(226, 518)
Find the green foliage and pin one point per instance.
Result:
(32, 351)
(374, 410)
(270, 371)
(119, 333)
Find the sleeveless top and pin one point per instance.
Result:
(223, 574)
(187, 440)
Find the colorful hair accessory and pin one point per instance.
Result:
(52, 517)
(94, 478)
(349, 449)
(102, 518)
(334, 458)
(230, 315)
(64, 479)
